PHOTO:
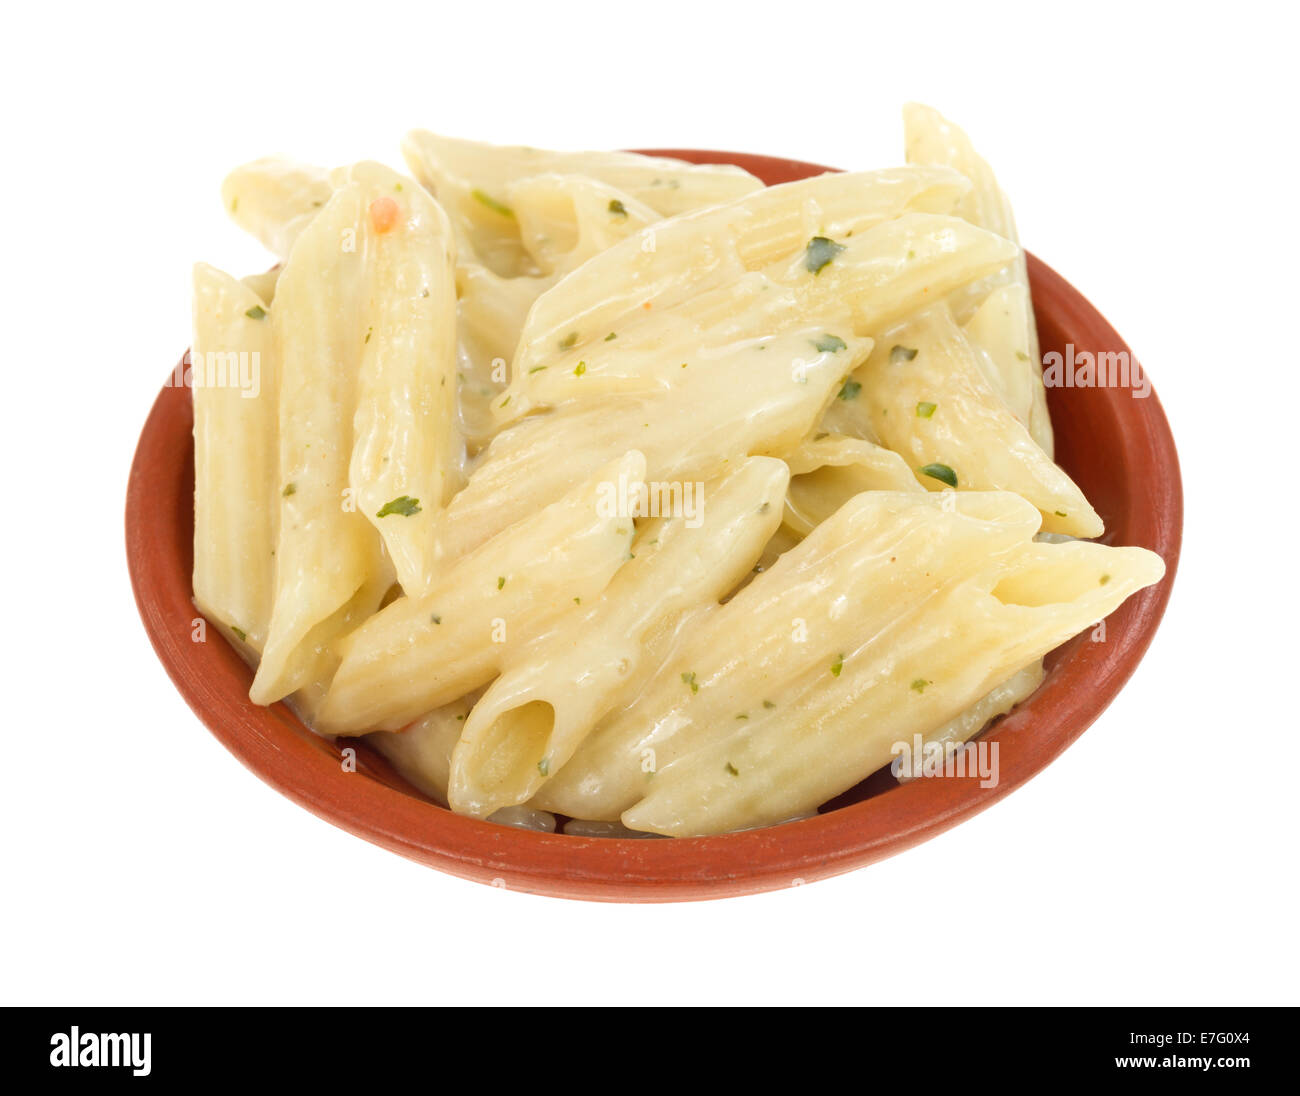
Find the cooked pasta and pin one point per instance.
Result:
(608, 494)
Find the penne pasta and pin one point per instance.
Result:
(232, 364)
(551, 693)
(273, 200)
(1002, 323)
(420, 653)
(908, 677)
(928, 399)
(325, 551)
(404, 465)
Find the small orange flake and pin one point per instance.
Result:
(384, 213)
(647, 306)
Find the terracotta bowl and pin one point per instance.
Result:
(1118, 449)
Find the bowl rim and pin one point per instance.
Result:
(269, 741)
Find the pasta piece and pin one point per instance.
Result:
(404, 466)
(1003, 324)
(549, 696)
(876, 277)
(669, 263)
(746, 403)
(564, 220)
(928, 399)
(669, 187)
(420, 653)
(421, 751)
(967, 723)
(827, 471)
(235, 466)
(908, 677)
(879, 560)
(325, 551)
(274, 200)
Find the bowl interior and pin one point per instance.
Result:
(1118, 448)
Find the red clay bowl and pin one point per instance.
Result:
(1118, 449)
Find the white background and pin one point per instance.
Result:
(1150, 154)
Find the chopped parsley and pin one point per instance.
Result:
(837, 666)
(925, 409)
(850, 390)
(689, 679)
(941, 472)
(830, 344)
(919, 685)
(617, 208)
(768, 704)
(1022, 355)
(569, 340)
(501, 582)
(243, 635)
(900, 354)
(436, 618)
(536, 369)
(289, 489)
(732, 769)
(499, 208)
(611, 336)
(580, 369)
(819, 253)
(403, 504)
(257, 312)
(544, 766)
(1104, 579)
(1061, 514)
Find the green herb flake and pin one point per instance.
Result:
(544, 766)
(941, 472)
(830, 344)
(397, 186)
(491, 203)
(919, 685)
(1060, 513)
(925, 409)
(289, 489)
(768, 704)
(617, 208)
(837, 666)
(1104, 579)
(689, 679)
(819, 253)
(243, 635)
(436, 618)
(900, 354)
(536, 369)
(743, 715)
(577, 601)
(580, 369)
(611, 336)
(403, 504)
(570, 340)
(257, 312)
(732, 769)
(504, 402)
(911, 254)
(369, 331)
(821, 434)
(1022, 356)
(501, 582)
(850, 390)
(234, 203)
